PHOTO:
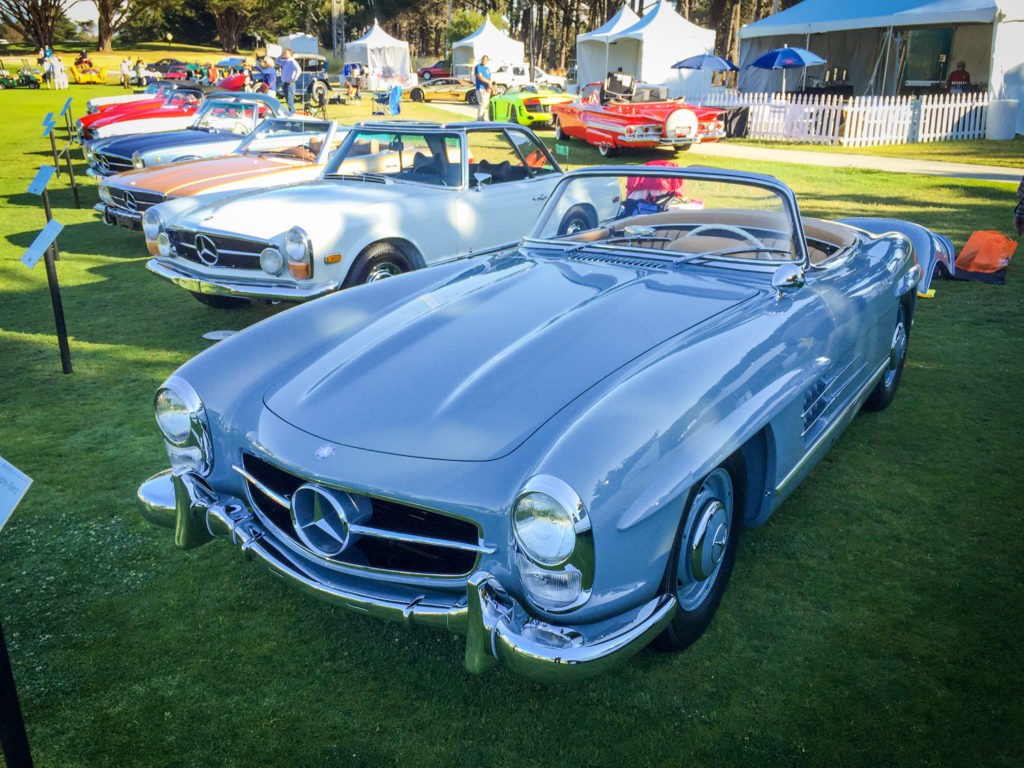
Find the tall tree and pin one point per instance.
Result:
(112, 15)
(34, 20)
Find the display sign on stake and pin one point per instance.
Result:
(13, 739)
(49, 123)
(45, 245)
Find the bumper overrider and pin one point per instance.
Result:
(248, 289)
(497, 627)
(119, 216)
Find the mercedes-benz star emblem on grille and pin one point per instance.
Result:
(325, 520)
(206, 250)
(102, 162)
(129, 202)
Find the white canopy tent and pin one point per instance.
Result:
(648, 49)
(593, 61)
(384, 59)
(865, 39)
(488, 41)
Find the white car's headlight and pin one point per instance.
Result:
(151, 224)
(554, 544)
(105, 195)
(299, 252)
(182, 420)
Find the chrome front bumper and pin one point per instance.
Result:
(497, 627)
(250, 289)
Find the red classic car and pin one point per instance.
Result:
(624, 120)
(175, 111)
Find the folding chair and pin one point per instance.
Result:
(389, 100)
(316, 103)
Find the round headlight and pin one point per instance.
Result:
(543, 528)
(151, 224)
(181, 416)
(163, 244)
(105, 195)
(271, 261)
(173, 416)
(137, 160)
(296, 244)
(90, 156)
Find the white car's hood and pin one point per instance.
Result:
(317, 207)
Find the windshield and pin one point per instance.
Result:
(232, 116)
(407, 155)
(302, 139)
(661, 207)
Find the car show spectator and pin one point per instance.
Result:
(959, 79)
(126, 72)
(60, 75)
(289, 74)
(482, 80)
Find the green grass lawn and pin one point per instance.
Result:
(874, 621)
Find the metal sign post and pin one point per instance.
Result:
(45, 244)
(48, 125)
(13, 738)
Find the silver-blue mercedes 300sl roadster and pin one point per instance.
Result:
(552, 450)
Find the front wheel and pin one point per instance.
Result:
(704, 554)
(560, 135)
(885, 389)
(471, 97)
(416, 94)
(577, 219)
(378, 262)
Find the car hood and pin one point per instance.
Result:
(469, 370)
(126, 145)
(195, 177)
(318, 206)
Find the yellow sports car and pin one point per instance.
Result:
(444, 89)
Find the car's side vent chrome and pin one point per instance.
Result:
(619, 259)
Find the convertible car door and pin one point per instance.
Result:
(510, 178)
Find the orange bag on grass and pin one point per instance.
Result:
(986, 251)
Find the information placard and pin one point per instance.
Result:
(46, 236)
(42, 178)
(13, 484)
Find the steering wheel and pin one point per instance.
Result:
(731, 228)
(429, 170)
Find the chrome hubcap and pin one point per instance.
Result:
(705, 540)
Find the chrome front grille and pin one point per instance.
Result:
(111, 164)
(216, 250)
(393, 537)
(134, 200)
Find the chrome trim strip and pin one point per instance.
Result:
(250, 289)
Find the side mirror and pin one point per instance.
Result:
(480, 179)
(788, 277)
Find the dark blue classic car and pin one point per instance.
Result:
(221, 124)
(553, 450)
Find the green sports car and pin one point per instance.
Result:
(526, 104)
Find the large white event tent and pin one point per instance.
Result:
(488, 41)
(384, 59)
(866, 39)
(646, 49)
(594, 54)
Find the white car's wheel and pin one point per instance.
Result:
(378, 262)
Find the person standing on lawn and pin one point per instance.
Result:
(482, 80)
(289, 74)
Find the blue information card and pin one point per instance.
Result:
(13, 484)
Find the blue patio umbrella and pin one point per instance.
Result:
(707, 61)
(786, 58)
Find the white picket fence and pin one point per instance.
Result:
(860, 121)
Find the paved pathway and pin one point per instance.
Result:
(836, 159)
